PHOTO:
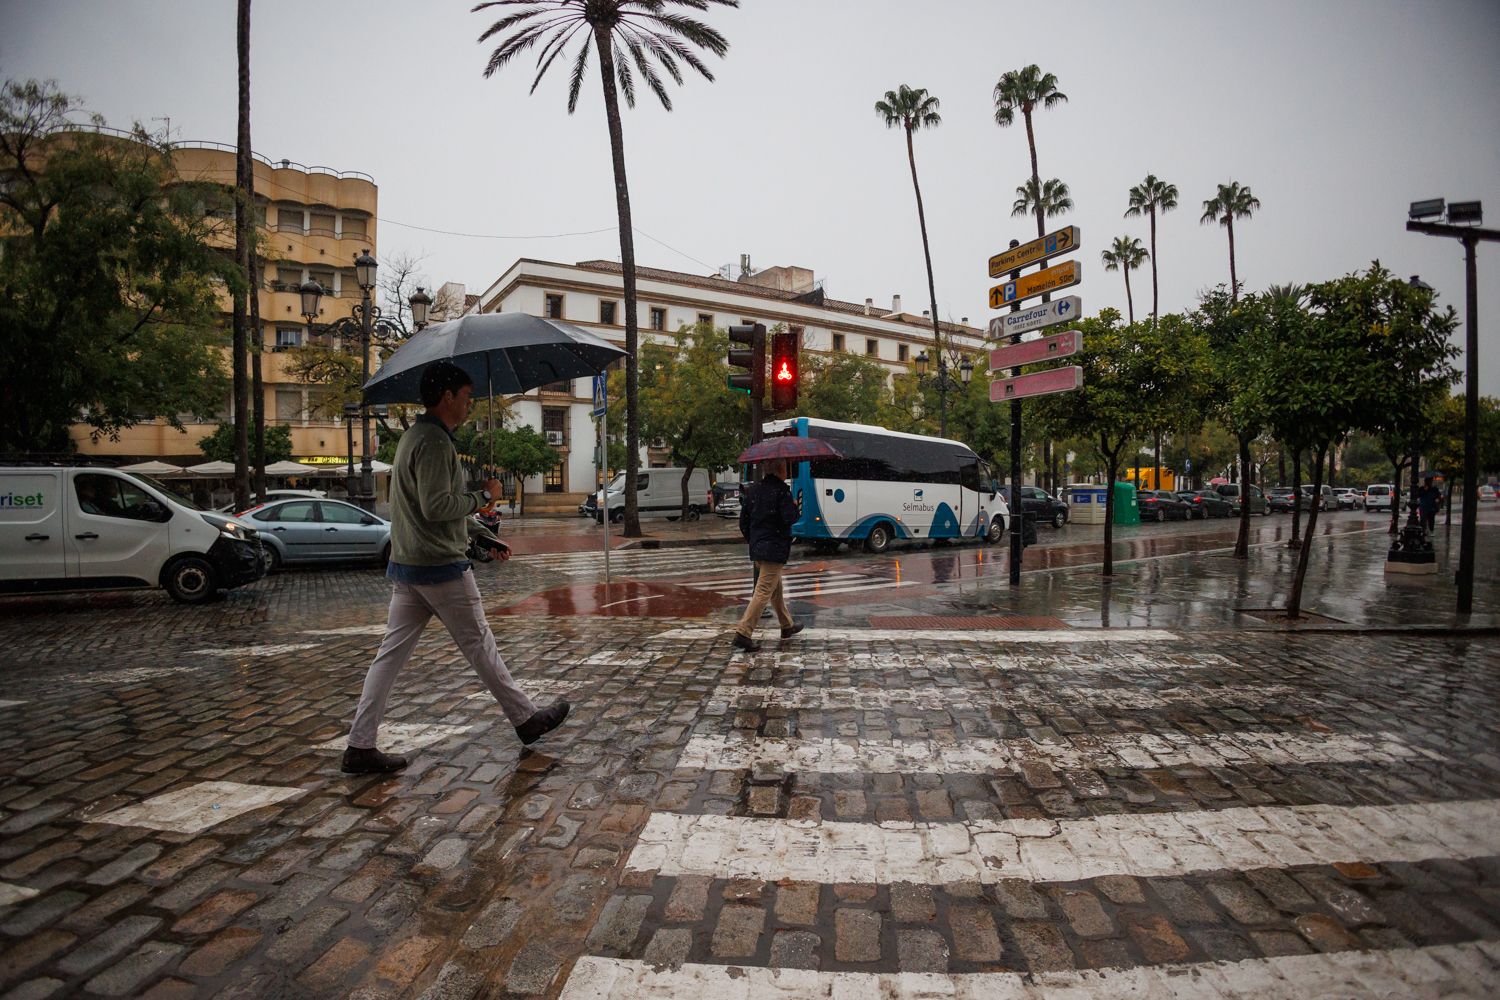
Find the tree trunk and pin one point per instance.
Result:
(1294, 603)
(1396, 497)
(1154, 298)
(1280, 464)
(244, 206)
(1156, 476)
(687, 475)
(1242, 540)
(1129, 302)
(1296, 498)
(937, 337)
(1234, 284)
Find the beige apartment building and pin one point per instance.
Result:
(314, 221)
(591, 294)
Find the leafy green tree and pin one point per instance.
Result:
(1232, 202)
(644, 33)
(1106, 411)
(1025, 90)
(108, 285)
(685, 403)
(1054, 199)
(845, 387)
(1174, 368)
(521, 450)
(1234, 330)
(1126, 254)
(1150, 197)
(913, 110)
(219, 446)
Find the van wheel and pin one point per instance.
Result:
(674, 517)
(694, 513)
(616, 516)
(997, 530)
(879, 538)
(190, 580)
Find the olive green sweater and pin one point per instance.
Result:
(430, 522)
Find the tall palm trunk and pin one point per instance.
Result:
(1036, 181)
(1234, 282)
(1153, 268)
(1129, 302)
(257, 385)
(627, 266)
(937, 338)
(243, 206)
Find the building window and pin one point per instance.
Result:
(872, 347)
(288, 337)
(554, 426)
(554, 307)
(288, 405)
(838, 341)
(322, 224)
(658, 318)
(902, 352)
(565, 387)
(705, 319)
(552, 479)
(289, 220)
(288, 279)
(353, 225)
(607, 313)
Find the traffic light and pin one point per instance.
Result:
(752, 358)
(784, 371)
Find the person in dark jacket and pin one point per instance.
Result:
(767, 513)
(1429, 499)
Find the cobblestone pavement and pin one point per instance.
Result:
(1193, 811)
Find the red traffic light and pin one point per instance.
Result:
(784, 371)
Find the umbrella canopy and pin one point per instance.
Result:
(791, 448)
(291, 469)
(1218, 481)
(212, 469)
(502, 352)
(153, 468)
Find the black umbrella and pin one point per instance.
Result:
(502, 352)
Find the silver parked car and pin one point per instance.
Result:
(304, 530)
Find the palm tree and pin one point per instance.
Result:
(244, 180)
(648, 34)
(1152, 196)
(1232, 202)
(1289, 294)
(1054, 200)
(912, 110)
(1022, 90)
(1125, 255)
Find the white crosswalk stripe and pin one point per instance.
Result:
(984, 756)
(1449, 970)
(1064, 850)
(992, 636)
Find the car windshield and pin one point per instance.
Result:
(157, 484)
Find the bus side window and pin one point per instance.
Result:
(969, 477)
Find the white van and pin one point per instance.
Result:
(88, 527)
(1378, 496)
(658, 493)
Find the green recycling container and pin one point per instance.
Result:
(1126, 510)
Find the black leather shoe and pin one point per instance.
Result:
(543, 721)
(746, 643)
(795, 627)
(362, 760)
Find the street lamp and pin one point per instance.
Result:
(364, 319)
(942, 383)
(1469, 235)
(420, 302)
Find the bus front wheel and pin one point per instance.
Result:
(997, 531)
(879, 539)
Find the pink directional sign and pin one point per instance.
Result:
(1045, 349)
(1037, 384)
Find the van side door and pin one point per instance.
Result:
(116, 530)
(31, 526)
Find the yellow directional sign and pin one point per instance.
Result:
(1065, 240)
(1024, 287)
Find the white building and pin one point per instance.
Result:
(590, 294)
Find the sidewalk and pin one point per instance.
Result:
(534, 535)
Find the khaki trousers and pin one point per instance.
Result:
(767, 590)
(457, 605)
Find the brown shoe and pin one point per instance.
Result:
(792, 630)
(746, 643)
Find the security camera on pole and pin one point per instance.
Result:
(1039, 383)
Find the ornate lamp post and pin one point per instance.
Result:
(943, 383)
(366, 321)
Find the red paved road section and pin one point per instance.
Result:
(623, 598)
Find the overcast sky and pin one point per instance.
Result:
(1336, 113)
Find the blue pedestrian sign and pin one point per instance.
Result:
(601, 401)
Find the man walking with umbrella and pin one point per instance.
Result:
(767, 513)
(431, 528)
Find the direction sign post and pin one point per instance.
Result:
(1063, 310)
(1047, 349)
(1053, 278)
(601, 410)
(1065, 240)
(1042, 383)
